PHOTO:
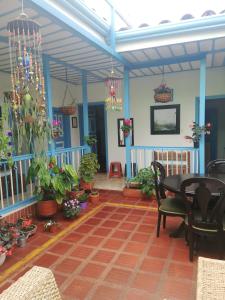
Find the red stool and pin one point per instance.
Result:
(115, 169)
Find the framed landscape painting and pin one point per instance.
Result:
(165, 119)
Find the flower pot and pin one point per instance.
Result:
(22, 241)
(87, 186)
(47, 208)
(2, 258)
(83, 205)
(68, 110)
(132, 192)
(163, 97)
(94, 198)
(29, 230)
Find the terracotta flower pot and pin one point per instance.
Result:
(87, 186)
(47, 208)
(94, 198)
(132, 192)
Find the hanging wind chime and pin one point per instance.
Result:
(113, 101)
(28, 90)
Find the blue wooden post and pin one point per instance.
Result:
(85, 103)
(48, 95)
(202, 114)
(126, 107)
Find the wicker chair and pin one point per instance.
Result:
(204, 213)
(173, 207)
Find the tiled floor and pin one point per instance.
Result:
(112, 254)
(102, 181)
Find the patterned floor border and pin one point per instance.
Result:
(61, 234)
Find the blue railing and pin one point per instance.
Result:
(15, 191)
(175, 159)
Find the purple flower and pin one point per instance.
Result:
(9, 133)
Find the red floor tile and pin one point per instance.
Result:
(68, 265)
(180, 270)
(135, 219)
(73, 237)
(159, 252)
(139, 237)
(110, 223)
(152, 265)
(46, 260)
(105, 292)
(146, 228)
(102, 231)
(127, 260)
(121, 234)
(127, 226)
(82, 252)
(60, 248)
(177, 290)
(134, 247)
(92, 241)
(118, 276)
(93, 221)
(117, 217)
(134, 294)
(92, 270)
(147, 282)
(78, 289)
(104, 256)
(85, 228)
(113, 244)
(181, 255)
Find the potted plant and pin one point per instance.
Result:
(52, 183)
(8, 237)
(6, 150)
(88, 168)
(197, 131)
(94, 197)
(126, 127)
(51, 226)
(163, 93)
(71, 208)
(83, 199)
(143, 184)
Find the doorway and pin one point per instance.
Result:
(97, 127)
(64, 140)
(215, 142)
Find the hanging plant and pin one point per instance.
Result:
(68, 109)
(163, 93)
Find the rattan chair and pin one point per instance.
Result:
(173, 206)
(204, 214)
(216, 166)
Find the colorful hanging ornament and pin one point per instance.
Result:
(113, 101)
(28, 91)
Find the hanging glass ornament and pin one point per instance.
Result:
(113, 102)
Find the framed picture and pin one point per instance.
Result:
(121, 138)
(74, 122)
(165, 119)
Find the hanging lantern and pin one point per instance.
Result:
(113, 101)
(28, 90)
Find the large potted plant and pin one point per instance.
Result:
(88, 168)
(52, 183)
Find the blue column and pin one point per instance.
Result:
(202, 114)
(85, 103)
(126, 107)
(48, 95)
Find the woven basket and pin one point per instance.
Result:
(68, 110)
(163, 97)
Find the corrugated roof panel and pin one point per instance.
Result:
(220, 43)
(191, 48)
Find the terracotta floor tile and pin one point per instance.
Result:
(4, 286)
(127, 260)
(39, 240)
(158, 252)
(102, 231)
(109, 209)
(104, 256)
(121, 234)
(113, 244)
(123, 210)
(147, 282)
(152, 265)
(127, 226)
(134, 247)
(139, 212)
(68, 265)
(117, 217)
(73, 237)
(60, 248)
(92, 241)
(106, 293)
(135, 219)
(179, 270)
(46, 260)
(78, 289)
(101, 215)
(59, 279)
(85, 228)
(118, 276)
(139, 237)
(181, 255)
(134, 294)
(93, 221)
(82, 252)
(173, 289)
(92, 270)
(110, 223)
(146, 228)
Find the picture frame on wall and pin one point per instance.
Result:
(74, 122)
(121, 138)
(165, 119)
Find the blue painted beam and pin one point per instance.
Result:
(215, 22)
(48, 95)
(202, 114)
(126, 108)
(58, 15)
(112, 29)
(85, 103)
(167, 61)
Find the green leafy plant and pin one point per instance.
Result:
(6, 147)
(52, 182)
(88, 166)
(145, 181)
(71, 208)
(197, 131)
(90, 140)
(83, 197)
